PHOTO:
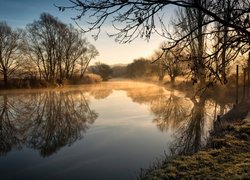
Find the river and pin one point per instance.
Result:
(104, 131)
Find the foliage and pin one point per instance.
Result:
(103, 70)
(119, 70)
(92, 78)
(140, 68)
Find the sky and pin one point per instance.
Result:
(19, 13)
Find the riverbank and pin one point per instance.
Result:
(226, 154)
(34, 83)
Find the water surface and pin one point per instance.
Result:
(105, 131)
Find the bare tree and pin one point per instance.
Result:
(9, 50)
(190, 22)
(140, 15)
(171, 62)
(137, 18)
(43, 36)
(85, 60)
(161, 71)
(75, 47)
(55, 47)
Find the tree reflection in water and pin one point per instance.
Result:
(189, 119)
(50, 120)
(100, 93)
(190, 134)
(170, 111)
(8, 129)
(44, 121)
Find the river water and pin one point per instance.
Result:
(104, 131)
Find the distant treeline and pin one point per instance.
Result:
(146, 67)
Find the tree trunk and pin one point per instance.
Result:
(161, 78)
(160, 70)
(5, 78)
(225, 38)
(172, 80)
(201, 68)
(198, 123)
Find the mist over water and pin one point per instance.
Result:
(104, 131)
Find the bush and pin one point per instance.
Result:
(92, 78)
(103, 70)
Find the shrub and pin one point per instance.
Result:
(92, 78)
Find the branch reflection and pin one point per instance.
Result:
(190, 120)
(192, 134)
(8, 128)
(44, 121)
(170, 111)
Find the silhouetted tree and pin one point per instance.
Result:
(9, 50)
(56, 47)
(103, 70)
(191, 22)
(172, 62)
(140, 68)
(197, 31)
(74, 48)
(44, 37)
(119, 70)
(85, 60)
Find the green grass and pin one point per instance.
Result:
(226, 156)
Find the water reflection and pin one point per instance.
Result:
(44, 121)
(52, 119)
(129, 114)
(184, 117)
(170, 111)
(190, 120)
(98, 92)
(8, 129)
(191, 134)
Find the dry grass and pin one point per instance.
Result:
(227, 155)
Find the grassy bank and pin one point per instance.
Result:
(33, 82)
(226, 154)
